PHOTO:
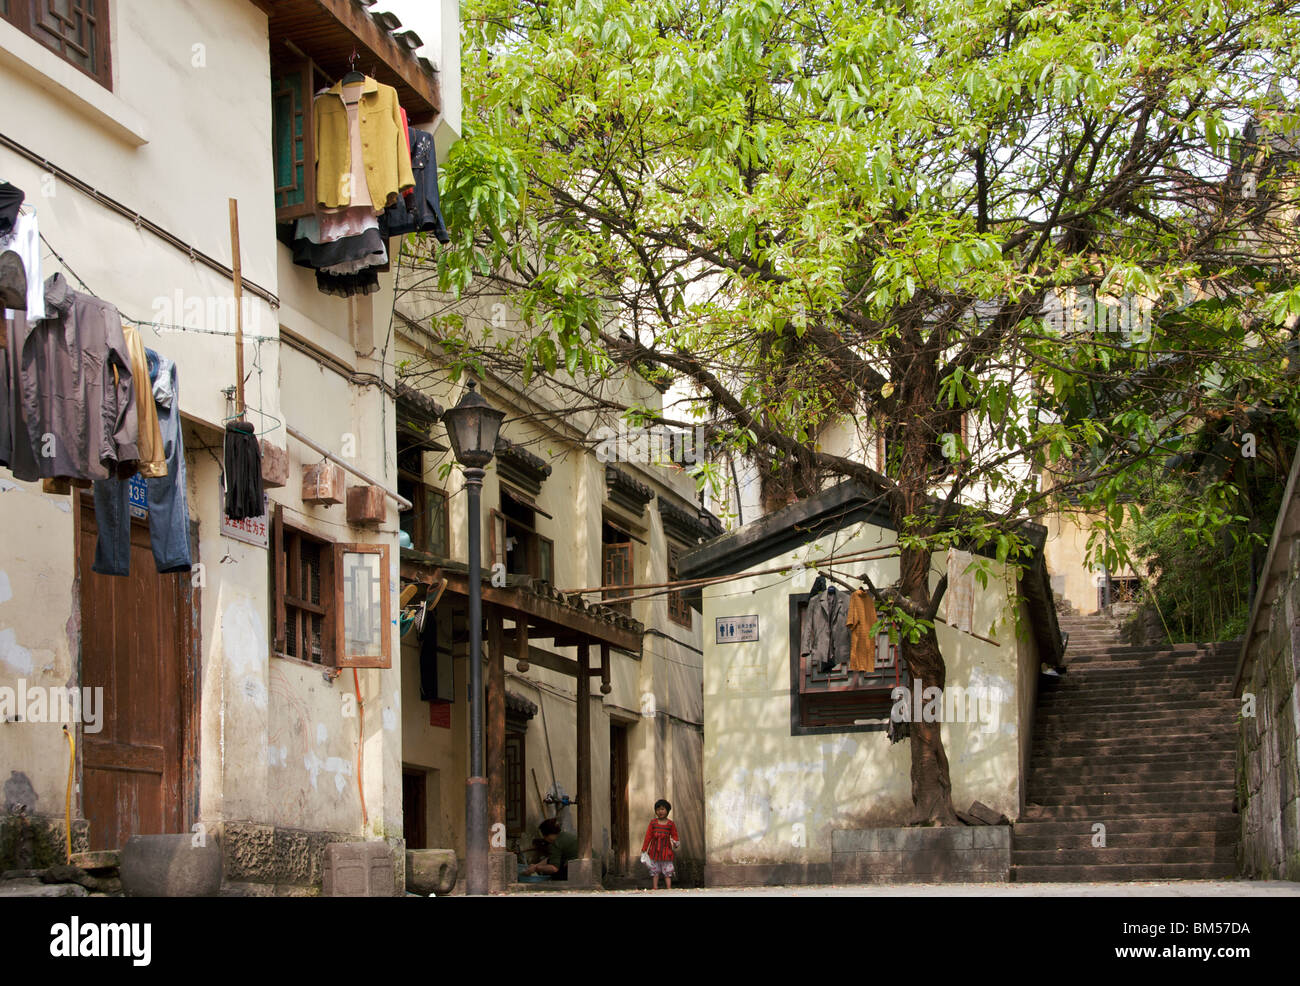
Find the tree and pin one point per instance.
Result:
(830, 214)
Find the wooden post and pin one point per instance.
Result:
(584, 751)
(605, 686)
(521, 643)
(496, 727)
(236, 272)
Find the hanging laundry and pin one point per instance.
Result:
(861, 618)
(72, 403)
(422, 211)
(11, 200)
(960, 594)
(375, 117)
(24, 242)
(825, 634)
(166, 496)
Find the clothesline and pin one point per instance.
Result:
(165, 326)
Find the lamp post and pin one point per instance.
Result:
(472, 427)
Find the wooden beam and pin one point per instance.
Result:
(379, 41)
(548, 617)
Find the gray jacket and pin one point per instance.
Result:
(825, 634)
(76, 393)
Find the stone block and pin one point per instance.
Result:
(921, 855)
(503, 871)
(358, 869)
(431, 871)
(170, 866)
(275, 465)
(322, 483)
(249, 851)
(582, 874)
(366, 505)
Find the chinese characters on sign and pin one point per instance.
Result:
(735, 629)
(250, 530)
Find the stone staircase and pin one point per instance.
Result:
(1140, 740)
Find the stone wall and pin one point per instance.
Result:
(1268, 758)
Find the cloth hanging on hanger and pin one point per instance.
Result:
(422, 211)
(75, 411)
(960, 594)
(25, 241)
(387, 164)
(11, 200)
(825, 634)
(166, 494)
(861, 618)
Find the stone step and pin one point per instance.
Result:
(1100, 812)
(1124, 873)
(1128, 855)
(1167, 760)
(1117, 840)
(1220, 822)
(1047, 776)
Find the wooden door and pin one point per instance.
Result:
(134, 645)
(415, 809)
(618, 807)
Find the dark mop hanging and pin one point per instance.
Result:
(243, 455)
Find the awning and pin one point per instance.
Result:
(523, 501)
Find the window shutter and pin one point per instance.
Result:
(497, 538)
(293, 140)
(362, 621)
(277, 575)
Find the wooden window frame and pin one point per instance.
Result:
(421, 535)
(499, 525)
(679, 610)
(19, 14)
(832, 708)
(330, 609)
(605, 546)
(310, 75)
(385, 657)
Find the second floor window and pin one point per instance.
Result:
(679, 610)
(514, 540)
(75, 30)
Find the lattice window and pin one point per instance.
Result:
(679, 611)
(838, 699)
(75, 30)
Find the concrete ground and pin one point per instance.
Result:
(1173, 888)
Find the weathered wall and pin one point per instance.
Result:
(187, 126)
(1268, 743)
(773, 799)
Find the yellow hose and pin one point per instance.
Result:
(67, 805)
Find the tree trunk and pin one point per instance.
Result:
(931, 782)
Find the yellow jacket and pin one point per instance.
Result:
(387, 161)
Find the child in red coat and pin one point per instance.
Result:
(660, 843)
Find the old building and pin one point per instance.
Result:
(564, 513)
(796, 754)
(245, 700)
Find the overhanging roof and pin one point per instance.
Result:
(847, 503)
(327, 31)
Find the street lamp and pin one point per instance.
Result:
(472, 427)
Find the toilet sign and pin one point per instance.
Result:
(735, 629)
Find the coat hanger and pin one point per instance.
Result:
(353, 77)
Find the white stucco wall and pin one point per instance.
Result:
(773, 797)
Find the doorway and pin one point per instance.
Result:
(137, 644)
(619, 825)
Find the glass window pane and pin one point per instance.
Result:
(363, 609)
